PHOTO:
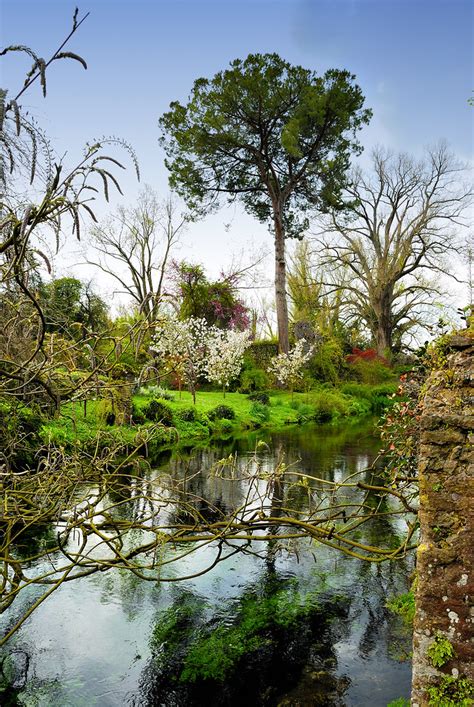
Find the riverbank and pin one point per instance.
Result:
(172, 419)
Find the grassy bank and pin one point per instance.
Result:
(177, 421)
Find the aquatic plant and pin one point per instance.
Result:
(403, 605)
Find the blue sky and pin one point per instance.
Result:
(412, 58)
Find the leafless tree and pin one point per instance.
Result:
(134, 245)
(395, 238)
(39, 198)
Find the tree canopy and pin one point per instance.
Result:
(394, 240)
(216, 302)
(276, 136)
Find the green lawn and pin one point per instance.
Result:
(189, 423)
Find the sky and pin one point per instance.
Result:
(412, 58)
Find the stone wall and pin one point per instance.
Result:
(444, 609)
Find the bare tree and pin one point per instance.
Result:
(395, 238)
(134, 246)
(38, 198)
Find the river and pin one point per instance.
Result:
(290, 623)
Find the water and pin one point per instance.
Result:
(299, 623)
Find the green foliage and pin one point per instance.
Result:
(19, 432)
(440, 651)
(403, 605)
(309, 123)
(158, 411)
(222, 412)
(187, 414)
(215, 302)
(260, 353)
(222, 427)
(156, 391)
(451, 692)
(138, 416)
(253, 379)
(306, 413)
(371, 372)
(327, 362)
(400, 428)
(329, 404)
(260, 397)
(322, 404)
(376, 397)
(104, 410)
(68, 302)
(400, 702)
(218, 653)
(259, 412)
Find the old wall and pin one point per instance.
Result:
(444, 608)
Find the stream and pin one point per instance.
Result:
(283, 622)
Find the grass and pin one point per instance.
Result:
(191, 424)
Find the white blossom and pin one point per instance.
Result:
(182, 344)
(191, 348)
(288, 368)
(225, 355)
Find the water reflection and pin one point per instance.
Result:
(96, 640)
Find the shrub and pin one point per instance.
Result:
(372, 372)
(262, 398)
(138, 416)
(252, 379)
(364, 355)
(260, 353)
(368, 367)
(306, 413)
(158, 411)
(222, 427)
(259, 413)
(327, 361)
(187, 414)
(221, 412)
(156, 391)
(376, 397)
(329, 405)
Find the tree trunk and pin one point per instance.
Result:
(280, 281)
(384, 330)
(383, 340)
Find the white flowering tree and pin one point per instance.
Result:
(183, 346)
(288, 368)
(225, 355)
